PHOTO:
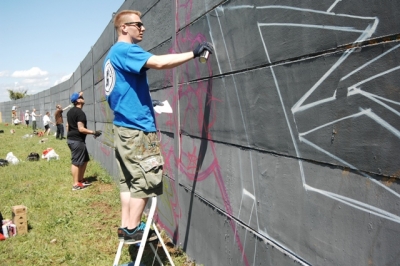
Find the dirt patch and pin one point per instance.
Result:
(102, 188)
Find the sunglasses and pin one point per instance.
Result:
(137, 24)
(80, 97)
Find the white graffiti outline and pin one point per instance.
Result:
(301, 106)
(352, 90)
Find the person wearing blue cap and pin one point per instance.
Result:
(137, 148)
(76, 136)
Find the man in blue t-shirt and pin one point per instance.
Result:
(137, 148)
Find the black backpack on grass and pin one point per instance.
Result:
(33, 156)
(3, 162)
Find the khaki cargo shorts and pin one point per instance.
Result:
(139, 161)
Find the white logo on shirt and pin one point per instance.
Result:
(109, 77)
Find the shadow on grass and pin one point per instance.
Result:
(91, 179)
(149, 257)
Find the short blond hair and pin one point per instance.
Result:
(121, 17)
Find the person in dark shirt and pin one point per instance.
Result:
(59, 121)
(76, 136)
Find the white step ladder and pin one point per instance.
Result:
(143, 243)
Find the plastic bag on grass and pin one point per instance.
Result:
(50, 154)
(11, 158)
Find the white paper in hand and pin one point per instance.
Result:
(166, 108)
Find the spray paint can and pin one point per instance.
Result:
(204, 56)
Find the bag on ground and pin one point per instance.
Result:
(33, 156)
(49, 154)
(11, 158)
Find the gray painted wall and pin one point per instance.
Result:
(283, 148)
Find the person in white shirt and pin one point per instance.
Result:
(27, 118)
(17, 121)
(34, 115)
(46, 123)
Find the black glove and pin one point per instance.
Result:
(157, 102)
(97, 133)
(201, 47)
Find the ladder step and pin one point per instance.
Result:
(143, 243)
(131, 264)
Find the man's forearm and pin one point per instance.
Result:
(85, 130)
(168, 61)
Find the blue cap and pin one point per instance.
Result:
(74, 97)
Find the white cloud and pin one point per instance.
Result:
(34, 72)
(33, 80)
(4, 73)
(62, 79)
(36, 82)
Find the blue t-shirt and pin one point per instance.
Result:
(126, 87)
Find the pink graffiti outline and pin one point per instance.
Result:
(190, 92)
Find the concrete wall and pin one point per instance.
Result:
(283, 148)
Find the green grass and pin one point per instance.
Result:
(65, 227)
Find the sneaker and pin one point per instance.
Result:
(121, 233)
(79, 186)
(85, 183)
(137, 235)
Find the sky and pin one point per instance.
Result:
(42, 42)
